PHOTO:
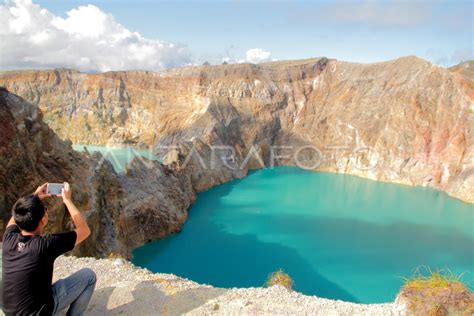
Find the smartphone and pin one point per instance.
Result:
(54, 188)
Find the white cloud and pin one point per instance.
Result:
(257, 55)
(97, 23)
(253, 56)
(88, 39)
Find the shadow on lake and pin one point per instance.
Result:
(227, 242)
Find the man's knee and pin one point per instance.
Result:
(88, 274)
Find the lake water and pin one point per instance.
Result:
(337, 236)
(120, 157)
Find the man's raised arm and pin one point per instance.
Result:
(82, 229)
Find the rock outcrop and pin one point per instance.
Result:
(124, 210)
(405, 121)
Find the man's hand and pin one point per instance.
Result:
(41, 191)
(82, 229)
(66, 192)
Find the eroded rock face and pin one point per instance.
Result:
(30, 153)
(405, 120)
(124, 211)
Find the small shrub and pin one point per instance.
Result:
(280, 278)
(433, 279)
(437, 292)
(127, 170)
(114, 255)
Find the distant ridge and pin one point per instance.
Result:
(277, 63)
(416, 117)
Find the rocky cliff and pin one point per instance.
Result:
(405, 121)
(125, 211)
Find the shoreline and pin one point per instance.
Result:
(404, 182)
(123, 288)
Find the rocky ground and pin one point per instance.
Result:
(125, 289)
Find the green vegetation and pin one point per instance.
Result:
(114, 255)
(127, 170)
(437, 292)
(280, 278)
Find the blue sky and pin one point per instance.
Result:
(360, 31)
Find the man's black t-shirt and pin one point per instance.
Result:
(27, 271)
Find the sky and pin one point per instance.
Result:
(151, 35)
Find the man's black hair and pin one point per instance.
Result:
(28, 212)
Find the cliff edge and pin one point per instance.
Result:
(127, 290)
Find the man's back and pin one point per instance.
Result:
(27, 270)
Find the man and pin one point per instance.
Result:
(28, 260)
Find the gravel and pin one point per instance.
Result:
(125, 289)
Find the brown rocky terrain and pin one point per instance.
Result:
(405, 121)
(124, 211)
(465, 74)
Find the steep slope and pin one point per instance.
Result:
(405, 120)
(124, 211)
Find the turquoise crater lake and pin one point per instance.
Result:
(337, 236)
